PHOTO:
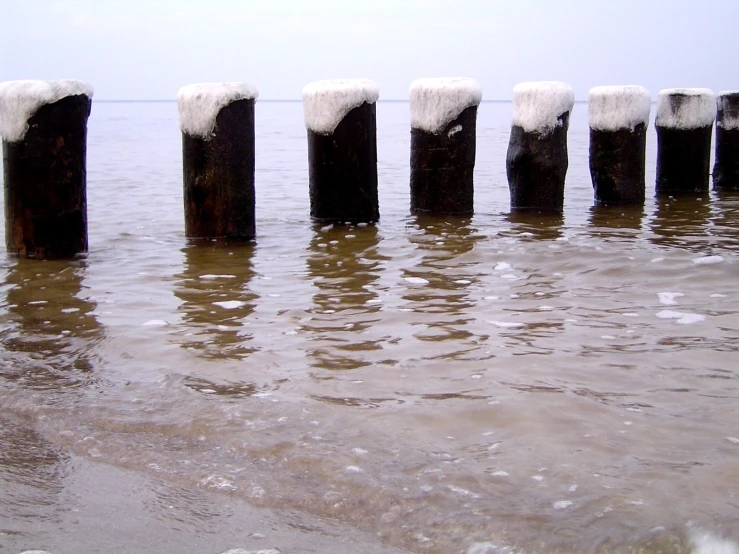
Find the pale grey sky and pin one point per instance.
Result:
(139, 49)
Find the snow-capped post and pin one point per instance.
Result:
(536, 162)
(43, 125)
(443, 142)
(618, 140)
(342, 149)
(726, 166)
(684, 124)
(217, 124)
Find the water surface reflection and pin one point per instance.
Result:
(50, 323)
(216, 299)
(344, 265)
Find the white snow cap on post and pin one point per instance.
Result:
(19, 100)
(537, 106)
(326, 103)
(618, 107)
(437, 102)
(685, 108)
(199, 104)
(730, 110)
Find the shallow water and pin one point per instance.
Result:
(485, 384)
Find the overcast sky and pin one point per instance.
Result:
(137, 49)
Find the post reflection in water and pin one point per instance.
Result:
(216, 300)
(439, 282)
(607, 221)
(344, 264)
(535, 225)
(50, 323)
(682, 222)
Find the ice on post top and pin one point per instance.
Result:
(685, 108)
(618, 107)
(20, 100)
(537, 106)
(437, 102)
(326, 103)
(728, 105)
(199, 104)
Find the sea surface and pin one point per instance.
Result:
(493, 384)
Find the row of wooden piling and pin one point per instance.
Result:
(43, 127)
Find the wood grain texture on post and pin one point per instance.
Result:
(340, 119)
(618, 119)
(43, 125)
(443, 144)
(218, 154)
(536, 162)
(684, 126)
(726, 165)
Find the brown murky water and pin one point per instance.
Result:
(493, 384)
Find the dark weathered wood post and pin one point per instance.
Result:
(537, 162)
(684, 124)
(618, 116)
(443, 142)
(43, 125)
(217, 124)
(341, 123)
(726, 166)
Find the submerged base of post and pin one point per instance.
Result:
(617, 165)
(442, 167)
(343, 169)
(219, 176)
(726, 166)
(45, 182)
(683, 159)
(536, 166)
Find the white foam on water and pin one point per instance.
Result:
(539, 478)
(695, 109)
(502, 266)
(729, 118)
(326, 103)
(668, 298)
(733, 440)
(353, 469)
(416, 280)
(538, 106)
(244, 551)
(562, 504)
(506, 324)
(618, 107)
(437, 102)
(229, 304)
(155, 323)
(19, 100)
(210, 276)
(681, 317)
(706, 543)
(462, 492)
(199, 104)
(708, 260)
(718, 295)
